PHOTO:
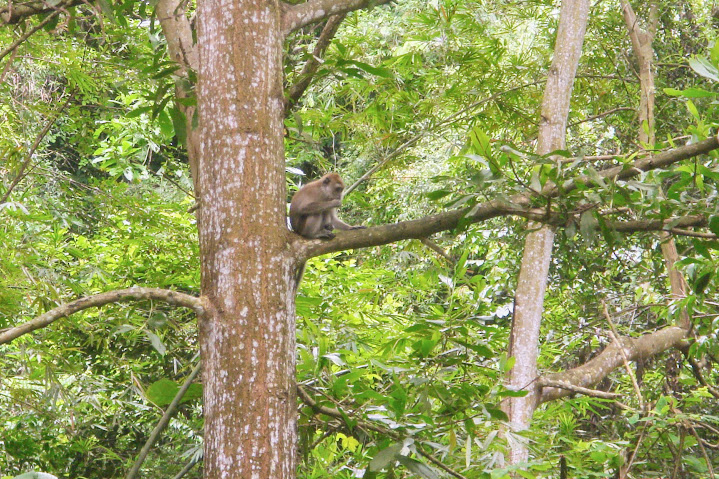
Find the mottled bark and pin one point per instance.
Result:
(247, 340)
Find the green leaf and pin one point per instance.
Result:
(418, 468)
(690, 93)
(714, 224)
(496, 413)
(437, 194)
(107, 10)
(162, 392)
(702, 282)
(377, 71)
(156, 342)
(704, 68)
(385, 457)
(692, 109)
(179, 125)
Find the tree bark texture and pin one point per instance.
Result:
(531, 286)
(247, 339)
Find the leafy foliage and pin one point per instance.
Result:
(396, 337)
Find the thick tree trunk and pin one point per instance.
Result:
(529, 298)
(247, 340)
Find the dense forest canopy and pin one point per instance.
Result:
(402, 361)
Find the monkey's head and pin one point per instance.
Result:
(332, 186)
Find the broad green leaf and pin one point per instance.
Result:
(385, 457)
(704, 68)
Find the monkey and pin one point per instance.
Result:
(313, 210)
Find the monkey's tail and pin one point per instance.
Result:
(298, 274)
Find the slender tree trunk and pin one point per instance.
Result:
(642, 45)
(247, 340)
(529, 298)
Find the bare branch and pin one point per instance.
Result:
(295, 92)
(600, 115)
(611, 358)
(162, 424)
(577, 389)
(624, 172)
(28, 33)
(438, 249)
(296, 16)
(38, 139)
(693, 234)
(635, 226)
(697, 372)
(137, 294)
(12, 13)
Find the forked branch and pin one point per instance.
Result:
(297, 16)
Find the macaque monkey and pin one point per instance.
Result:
(313, 211)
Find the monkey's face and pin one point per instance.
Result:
(333, 186)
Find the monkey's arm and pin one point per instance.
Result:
(316, 207)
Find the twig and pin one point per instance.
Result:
(704, 451)
(307, 399)
(186, 469)
(696, 370)
(425, 132)
(295, 92)
(438, 249)
(600, 115)
(8, 66)
(615, 337)
(28, 33)
(162, 424)
(628, 466)
(694, 234)
(21, 172)
(44, 320)
(578, 389)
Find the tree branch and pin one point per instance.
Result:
(137, 294)
(38, 139)
(648, 163)
(611, 358)
(577, 389)
(12, 13)
(28, 34)
(295, 92)
(519, 205)
(297, 16)
(162, 424)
